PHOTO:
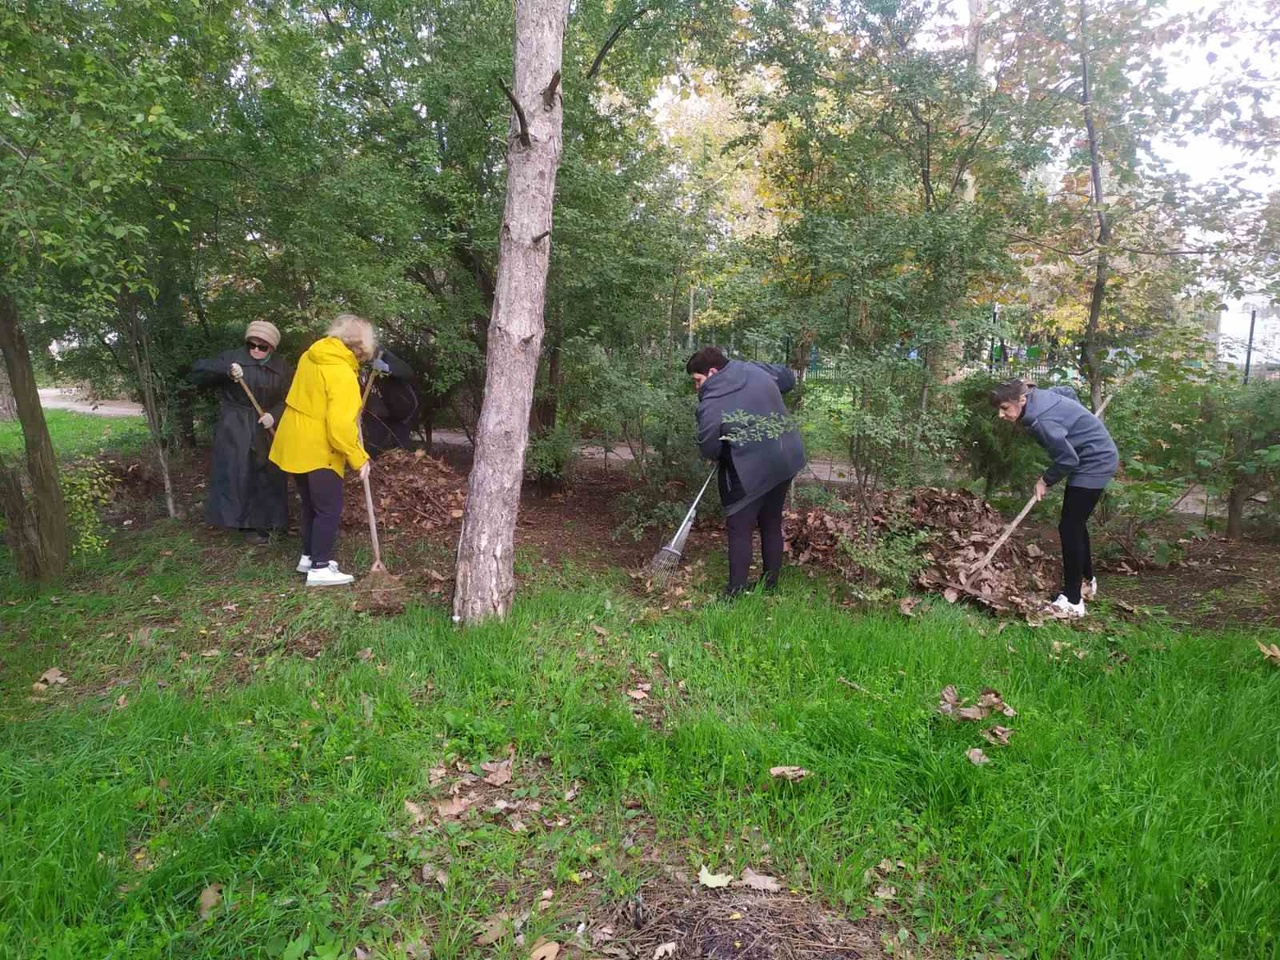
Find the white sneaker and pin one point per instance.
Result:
(329, 576)
(1089, 589)
(304, 564)
(1063, 605)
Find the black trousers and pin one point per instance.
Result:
(321, 494)
(1077, 563)
(766, 513)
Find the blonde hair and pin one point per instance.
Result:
(356, 332)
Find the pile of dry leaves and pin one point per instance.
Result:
(963, 528)
(411, 492)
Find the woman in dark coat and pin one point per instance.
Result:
(392, 408)
(246, 491)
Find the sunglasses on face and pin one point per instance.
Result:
(256, 345)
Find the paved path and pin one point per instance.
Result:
(62, 398)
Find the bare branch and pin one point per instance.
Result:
(613, 38)
(549, 94)
(524, 123)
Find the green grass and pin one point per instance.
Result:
(1133, 815)
(80, 434)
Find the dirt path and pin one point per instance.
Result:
(64, 398)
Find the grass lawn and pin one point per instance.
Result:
(80, 434)
(237, 768)
(223, 734)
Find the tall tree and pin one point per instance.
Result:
(485, 583)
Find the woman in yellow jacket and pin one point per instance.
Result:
(317, 440)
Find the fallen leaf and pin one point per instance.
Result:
(365, 654)
(53, 675)
(39, 687)
(1271, 653)
(498, 772)
(210, 897)
(230, 607)
(972, 713)
(908, 605)
(977, 757)
(1034, 552)
(998, 735)
(713, 880)
(436, 774)
(992, 700)
(493, 929)
(637, 694)
(362, 954)
(664, 950)
(600, 631)
(951, 594)
(758, 881)
(121, 702)
(547, 950)
(788, 773)
(456, 514)
(211, 652)
(886, 892)
(452, 807)
(415, 811)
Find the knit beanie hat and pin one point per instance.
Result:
(264, 331)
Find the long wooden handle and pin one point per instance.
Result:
(254, 400)
(373, 524)
(1020, 517)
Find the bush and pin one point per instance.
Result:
(999, 454)
(86, 488)
(548, 456)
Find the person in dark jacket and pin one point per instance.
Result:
(392, 408)
(1083, 454)
(744, 426)
(246, 491)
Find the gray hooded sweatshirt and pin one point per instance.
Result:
(1081, 448)
(769, 455)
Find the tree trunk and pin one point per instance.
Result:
(1089, 347)
(8, 406)
(485, 582)
(1236, 500)
(152, 402)
(44, 550)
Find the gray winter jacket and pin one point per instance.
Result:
(1081, 448)
(765, 454)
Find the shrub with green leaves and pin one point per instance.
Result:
(86, 489)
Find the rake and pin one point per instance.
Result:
(668, 558)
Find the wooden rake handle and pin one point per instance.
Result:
(254, 400)
(1008, 531)
(368, 491)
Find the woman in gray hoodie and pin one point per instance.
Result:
(1084, 454)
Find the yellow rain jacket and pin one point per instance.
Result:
(318, 429)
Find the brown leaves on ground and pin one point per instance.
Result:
(50, 678)
(977, 757)
(998, 735)
(210, 897)
(498, 772)
(758, 881)
(908, 606)
(989, 702)
(964, 527)
(793, 774)
(411, 492)
(1270, 653)
(547, 950)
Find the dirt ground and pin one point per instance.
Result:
(1213, 583)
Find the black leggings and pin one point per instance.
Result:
(766, 513)
(321, 494)
(1077, 563)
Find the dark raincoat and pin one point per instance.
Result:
(245, 491)
(392, 410)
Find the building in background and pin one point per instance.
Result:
(1230, 335)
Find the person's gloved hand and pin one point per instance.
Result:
(381, 366)
(363, 472)
(236, 372)
(267, 420)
